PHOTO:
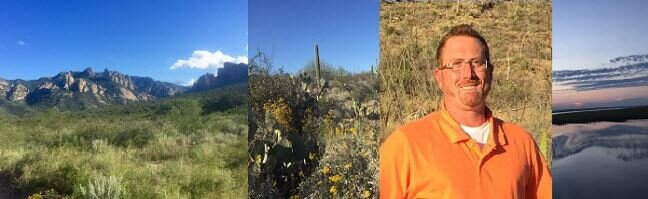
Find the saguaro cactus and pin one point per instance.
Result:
(317, 67)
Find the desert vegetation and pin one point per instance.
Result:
(313, 134)
(519, 36)
(191, 146)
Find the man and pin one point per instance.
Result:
(461, 150)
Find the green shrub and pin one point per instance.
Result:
(44, 170)
(102, 188)
(134, 137)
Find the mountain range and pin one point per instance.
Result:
(77, 90)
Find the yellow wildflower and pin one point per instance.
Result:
(281, 111)
(258, 158)
(333, 190)
(353, 130)
(36, 196)
(335, 178)
(348, 166)
(366, 194)
(311, 156)
(326, 170)
(337, 131)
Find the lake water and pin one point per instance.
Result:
(600, 160)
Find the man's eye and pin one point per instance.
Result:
(478, 62)
(456, 64)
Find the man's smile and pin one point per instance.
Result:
(468, 85)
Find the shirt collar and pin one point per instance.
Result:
(455, 134)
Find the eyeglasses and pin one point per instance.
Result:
(475, 64)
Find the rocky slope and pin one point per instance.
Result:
(86, 89)
(230, 74)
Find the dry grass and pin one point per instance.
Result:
(519, 35)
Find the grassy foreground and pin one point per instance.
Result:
(186, 147)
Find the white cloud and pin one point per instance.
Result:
(203, 59)
(22, 43)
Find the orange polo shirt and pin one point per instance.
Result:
(433, 158)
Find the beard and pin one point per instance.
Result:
(471, 98)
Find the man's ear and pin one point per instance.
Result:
(438, 76)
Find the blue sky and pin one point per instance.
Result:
(346, 31)
(142, 38)
(587, 34)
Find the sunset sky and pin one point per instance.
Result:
(585, 39)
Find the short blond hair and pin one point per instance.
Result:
(463, 30)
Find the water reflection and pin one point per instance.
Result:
(601, 160)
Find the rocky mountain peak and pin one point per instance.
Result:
(231, 73)
(205, 81)
(87, 73)
(4, 88)
(64, 80)
(68, 80)
(120, 79)
(18, 92)
(48, 85)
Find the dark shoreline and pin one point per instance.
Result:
(621, 114)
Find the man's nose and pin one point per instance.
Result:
(467, 72)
